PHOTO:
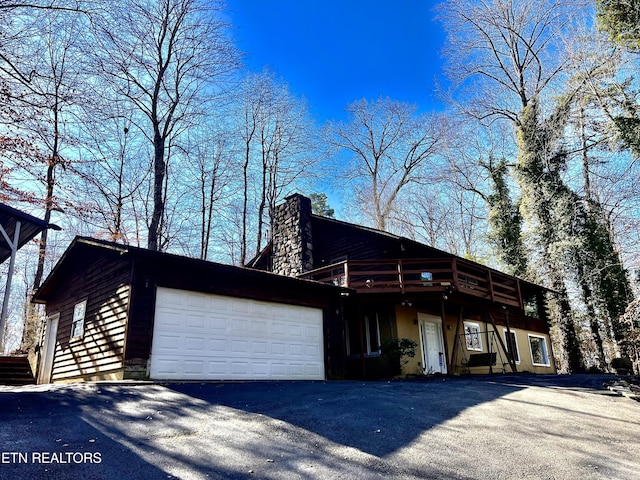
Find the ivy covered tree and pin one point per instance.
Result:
(548, 203)
(505, 220)
(620, 19)
(507, 58)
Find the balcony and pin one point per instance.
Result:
(421, 276)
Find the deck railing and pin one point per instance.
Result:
(421, 275)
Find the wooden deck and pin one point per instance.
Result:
(422, 275)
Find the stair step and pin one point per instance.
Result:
(16, 370)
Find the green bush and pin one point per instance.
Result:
(622, 363)
(397, 352)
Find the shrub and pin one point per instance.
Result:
(397, 351)
(622, 363)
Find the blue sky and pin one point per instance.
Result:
(336, 51)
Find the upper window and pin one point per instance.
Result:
(77, 325)
(512, 344)
(472, 336)
(539, 352)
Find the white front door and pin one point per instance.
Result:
(432, 344)
(49, 346)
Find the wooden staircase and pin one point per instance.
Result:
(16, 370)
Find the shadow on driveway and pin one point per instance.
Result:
(274, 430)
(378, 418)
(42, 433)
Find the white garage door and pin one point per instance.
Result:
(211, 337)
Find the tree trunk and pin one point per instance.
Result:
(159, 171)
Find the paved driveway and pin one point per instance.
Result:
(505, 426)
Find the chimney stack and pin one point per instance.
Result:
(292, 252)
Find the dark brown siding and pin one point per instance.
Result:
(101, 278)
(153, 270)
(334, 241)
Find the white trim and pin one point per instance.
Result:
(79, 315)
(49, 348)
(515, 340)
(545, 352)
(472, 338)
(367, 334)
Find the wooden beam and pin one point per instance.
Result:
(490, 279)
(454, 270)
(511, 354)
(512, 364)
(519, 294)
(454, 355)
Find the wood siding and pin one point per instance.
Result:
(154, 270)
(103, 281)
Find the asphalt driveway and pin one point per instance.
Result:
(505, 426)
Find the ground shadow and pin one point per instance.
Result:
(244, 429)
(49, 435)
(374, 417)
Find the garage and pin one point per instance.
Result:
(198, 336)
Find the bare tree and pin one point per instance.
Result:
(110, 171)
(508, 60)
(161, 57)
(16, 28)
(503, 53)
(278, 145)
(207, 178)
(388, 143)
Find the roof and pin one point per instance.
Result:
(398, 238)
(224, 273)
(30, 226)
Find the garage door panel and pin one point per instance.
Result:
(196, 321)
(259, 328)
(260, 348)
(200, 336)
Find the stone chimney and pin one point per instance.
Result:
(292, 252)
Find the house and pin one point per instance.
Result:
(117, 312)
(463, 316)
(317, 303)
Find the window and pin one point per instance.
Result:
(472, 336)
(511, 343)
(426, 278)
(539, 353)
(77, 325)
(371, 334)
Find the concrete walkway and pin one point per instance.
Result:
(503, 426)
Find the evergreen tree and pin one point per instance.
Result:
(320, 205)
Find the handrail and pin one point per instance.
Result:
(419, 275)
